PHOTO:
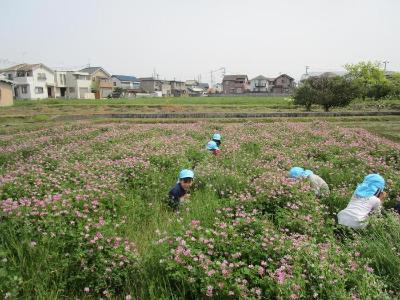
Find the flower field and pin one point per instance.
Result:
(83, 213)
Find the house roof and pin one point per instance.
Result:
(125, 78)
(6, 80)
(261, 77)
(203, 85)
(27, 67)
(92, 70)
(285, 75)
(233, 77)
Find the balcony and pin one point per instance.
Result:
(23, 80)
(105, 83)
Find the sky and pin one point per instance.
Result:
(185, 39)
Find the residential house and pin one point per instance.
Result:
(235, 84)
(205, 86)
(260, 84)
(31, 81)
(151, 85)
(73, 85)
(190, 83)
(129, 84)
(283, 84)
(102, 84)
(178, 88)
(6, 92)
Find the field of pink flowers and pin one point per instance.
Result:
(84, 215)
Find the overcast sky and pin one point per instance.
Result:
(184, 38)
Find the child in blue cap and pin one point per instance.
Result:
(367, 198)
(217, 139)
(318, 185)
(213, 147)
(179, 193)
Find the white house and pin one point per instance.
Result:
(31, 81)
(73, 85)
(260, 84)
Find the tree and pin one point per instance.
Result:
(95, 86)
(326, 91)
(304, 95)
(394, 82)
(335, 92)
(369, 77)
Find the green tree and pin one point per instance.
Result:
(326, 91)
(369, 77)
(95, 86)
(394, 82)
(304, 95)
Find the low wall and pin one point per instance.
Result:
(228, 115)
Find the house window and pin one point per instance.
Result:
(24, 89)
(38, 90)
(72, 90)
(41, 76)
(10, 76)
(115, 84)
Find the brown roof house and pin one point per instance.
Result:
(283, 84)
(6, 92)
(102, 84)
(235, 84)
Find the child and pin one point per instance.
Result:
(217, 139)
(367, 198)
(178, 194)
(318, 185)
(213, 147)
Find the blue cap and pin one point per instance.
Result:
(186, 173)
(216, 137)
(211, 145)
(371, 184)
(297, 172)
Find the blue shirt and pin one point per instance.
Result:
(175, 194)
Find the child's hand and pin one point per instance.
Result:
(382, 196)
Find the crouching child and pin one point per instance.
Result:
(213, 148)
(367, 198)
(318, 185)
(178, 195)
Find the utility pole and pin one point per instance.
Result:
(385, 62)
(211, 78)
(307, 67)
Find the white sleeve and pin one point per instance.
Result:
(376, 204)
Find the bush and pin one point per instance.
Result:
(326, 91)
